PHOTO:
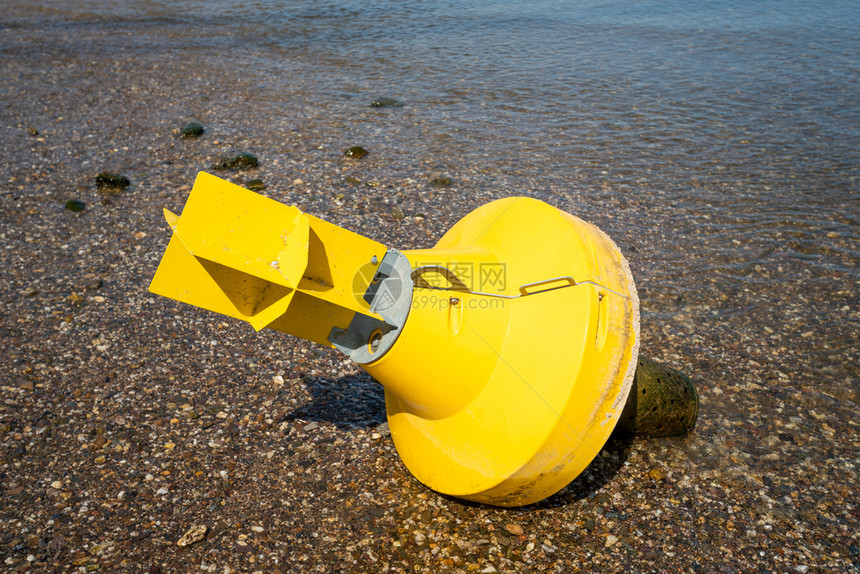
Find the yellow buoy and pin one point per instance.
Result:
(506, 351)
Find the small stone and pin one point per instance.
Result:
(656, 474)
(255, 185)
(611, 540)
(515, 529)
(169, 445)
(100, 549)
(142, 535)
(353, 180)
(191, 130)
(355, 151)
(245, 160)
(213, 409)
(57, 544)
(33, 131)
(241, 161)
(278, 380)
(108, 180)
(385, 102)
(257, 528)
(397, 213)
(57, 485)
(310, 426)
(441, 181)
(100, 459)
(194, 534)
(75, 205)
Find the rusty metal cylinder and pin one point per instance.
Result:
(662, 402)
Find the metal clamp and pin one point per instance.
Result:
(389, 295)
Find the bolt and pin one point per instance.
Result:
(375, 341)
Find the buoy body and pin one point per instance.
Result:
(507, 350)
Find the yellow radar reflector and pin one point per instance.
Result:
(507, 350)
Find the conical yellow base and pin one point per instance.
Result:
(506, 400)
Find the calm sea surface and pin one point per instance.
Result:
(761, 95)
(718, 141)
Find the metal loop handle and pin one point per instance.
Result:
(524, 289)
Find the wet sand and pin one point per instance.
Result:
(127, 419)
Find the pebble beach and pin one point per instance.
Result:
(138, 434)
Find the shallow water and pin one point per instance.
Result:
(721, 138)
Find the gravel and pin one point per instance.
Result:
(131, 424)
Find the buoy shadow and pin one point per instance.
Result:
(352, 401)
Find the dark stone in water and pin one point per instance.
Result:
(241, 161)
(245, 160)
(75, 205)
(255, 185)
(108, 180)
(384, 102)
(353, 180)
(441, 181)
(662, 402)
(355, 151)
(191, 130)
